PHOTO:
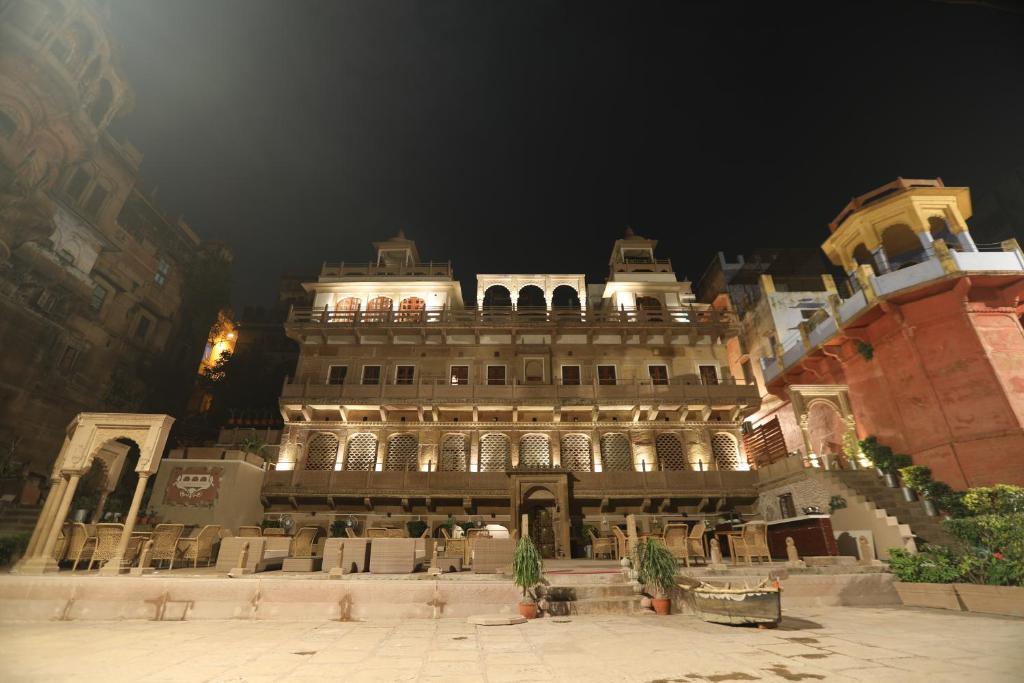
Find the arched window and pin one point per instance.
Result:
(575, 452)
(321, 452)
(650, 306)
(531, 297)
(495, 453)
(616, 455)
(939, 229)
(535, 452)
(863, 257)
(402, 455)
(361, 453)
(344, 309)
(453, 453)
(564, 296)
(497, 296)
(377, 309)
(725, 451)
(670, 452)
(411, 309)
(902, 247)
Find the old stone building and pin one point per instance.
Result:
(98, 286)
(545, 396)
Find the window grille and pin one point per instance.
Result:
(322, 452)
(453, 453)
(615, 453)
(403, 450)
(494, 453)
(725, 452)
(670, 452)
(535, 452)
(361, 453)
(576, 454)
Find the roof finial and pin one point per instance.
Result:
(401, 234)
(629, 231)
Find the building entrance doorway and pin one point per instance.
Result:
(542, 528)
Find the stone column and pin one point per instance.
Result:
(98, 512)
(514, 449)
(595, 451)
(966, 241)
(926, 242)
(474, 452)
(62, 513)
(39, 534)
(382, 444)
(114, 565)
(881, 260)
(556, 450)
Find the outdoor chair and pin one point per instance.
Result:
(493, 555)
(695, 547)
(107, 538)
(302, 542)
(249, 531)
(376, 532)
(200, 546)
(620, 542)
(752, 543)
(80, 545)
(675, 539)
(603, 545)
(350, 532)
(393, 556)
(165, 543)
(61, 549)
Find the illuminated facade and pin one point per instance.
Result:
(547, 397)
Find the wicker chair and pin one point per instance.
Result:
(675, 537)
(493, 555)
(80, 545)
(350, 533)
(603, 545)
(695, 547)
(61, 549)
(376, 532)
(302, 542)
(249, 531)
(107, 538)
(752, 543)
(620, 542)
(165, 543)
(200, 546)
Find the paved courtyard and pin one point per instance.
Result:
(829, 644)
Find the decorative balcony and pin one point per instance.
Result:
(430, 270)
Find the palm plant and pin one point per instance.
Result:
(656, 566)
(527, 566)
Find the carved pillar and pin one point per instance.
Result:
(40, 533)
(595, 451)
(114, 565)
(98, 512)
(556, 450)
(926, 240)
(382, 444)
(966, 241)
(62, 513)
(474, 452)
(806, 431)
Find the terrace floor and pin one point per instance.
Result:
(826, 644)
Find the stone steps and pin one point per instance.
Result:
(570, 594)
(614, 605)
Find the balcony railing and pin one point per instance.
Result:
(677, 390)
(642, 265)
(515, 317)
(430, 269)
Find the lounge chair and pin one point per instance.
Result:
(165, 543)
(603, 545)
(81, 545)
(200, 546)
(621, 542)
(752, 543)
(354, 554)
(107, 538)
(674, 538)
(695, 548)
(302, 542)
(493, 555)
(250, 531)
(393, 556)
(376, 532)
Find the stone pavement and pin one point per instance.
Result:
(828, 644)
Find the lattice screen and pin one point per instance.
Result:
(361, 453)
(535, 452)
(670, 452)
(494, 453)
(403, 450)
(615, 453)
(453, 453)
(322, 452)
(725, 451)
(576, 453)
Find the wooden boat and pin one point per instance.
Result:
(759, 605)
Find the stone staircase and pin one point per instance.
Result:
(868, 484)
(18, 520)
(572, 594)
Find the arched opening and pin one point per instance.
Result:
(497, 296)
(938, 227)
(669, 450)
(361, 453)
(453, 454)
(378, 309)
(564, 296)
(863, 257)
(535, 452)
(650, 306)
(725, 450)
(411, 309)
(101, 105)
(576, 453)
(402, 453)
(825, 428)
(902, 247)
(345, 309)
(616, 454)
(531, 298)
(495, 453)
(539, 505)
(321, 453)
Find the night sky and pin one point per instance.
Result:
(524, 136)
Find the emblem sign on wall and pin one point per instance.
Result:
(193, 486)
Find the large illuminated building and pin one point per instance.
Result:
(546, 396)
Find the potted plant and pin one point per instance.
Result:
(916, 479)
(527, 568)
(656, 568)
(415, 528)
(338, 528)
(885, 461)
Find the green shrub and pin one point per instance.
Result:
(338, 527)
(1001, 499)
(656, 566)
(916, 477)
(270, 524)
(932, 565)
(416, 528)
(11, 546)
(949, 501)
(882, 457)
(991, 533)
(527, 565)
